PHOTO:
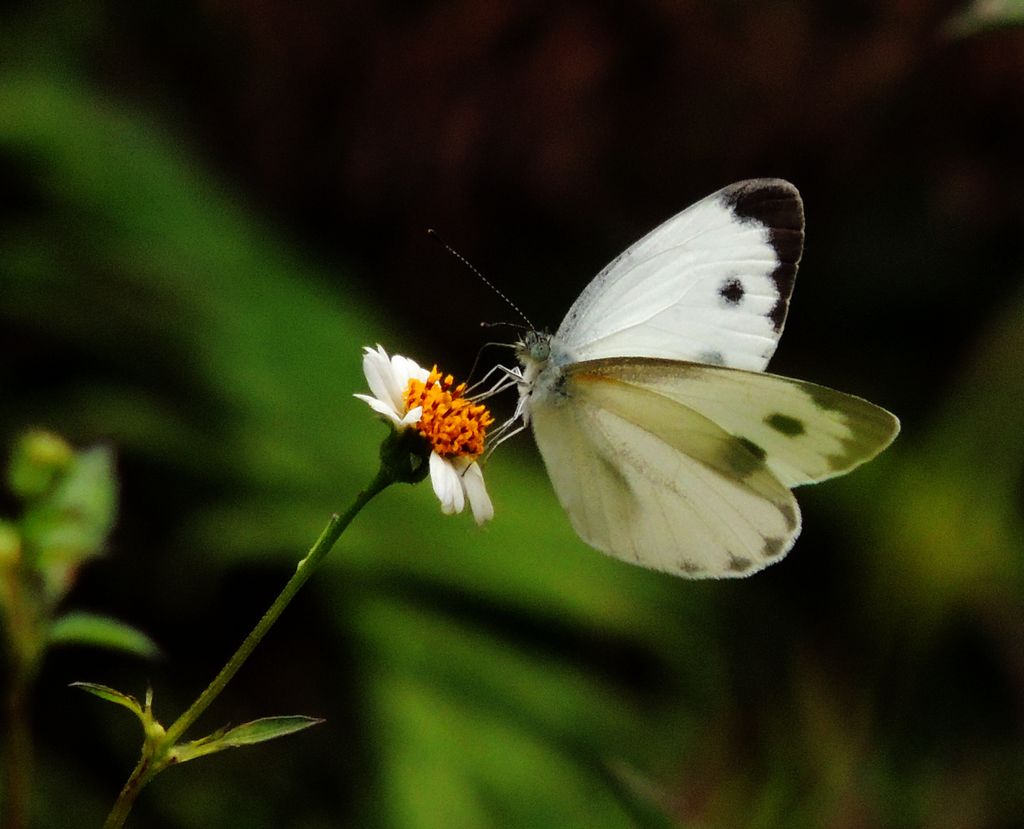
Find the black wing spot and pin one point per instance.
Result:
(732, 291)
(786, 425)
(739, 564)
(743, 458)
(753, 448)
(838, 462)
(788, 515)
(712, 358)
(825, 398)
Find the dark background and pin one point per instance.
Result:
(207, 208)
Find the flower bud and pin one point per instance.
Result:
(38, 460)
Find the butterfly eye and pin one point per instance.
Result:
(538, 345)
(535, 347)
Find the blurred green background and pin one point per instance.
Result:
(207, 208)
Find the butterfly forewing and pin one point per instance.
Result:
(710, 285)
(650, 481)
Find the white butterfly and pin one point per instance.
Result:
(666, 443)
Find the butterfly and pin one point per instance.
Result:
(666, 442)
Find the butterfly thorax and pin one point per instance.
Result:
(543, 359)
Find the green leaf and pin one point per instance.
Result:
(112, 695)
(267, 728)
(986, 15)
(72, 523)
(250, 733)
(101, 632)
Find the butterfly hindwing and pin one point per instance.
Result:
(650, 481)
(710, 285)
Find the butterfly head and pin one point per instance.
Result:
(543, 359)
(541, 355)
(533, 350)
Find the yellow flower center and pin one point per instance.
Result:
(452, 424)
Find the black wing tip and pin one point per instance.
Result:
(773, 202)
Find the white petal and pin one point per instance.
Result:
(412, 417)
(447, 485)
(403, 370)
(379, 376)
(383, 408)
(476, 492)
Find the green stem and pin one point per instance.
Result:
(23, 648)
(150, 765)
(18, 751)
(141, 775)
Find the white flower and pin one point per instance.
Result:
(388, 379)
(411, 397)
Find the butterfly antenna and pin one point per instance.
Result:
(485, 324)
(433, 234)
